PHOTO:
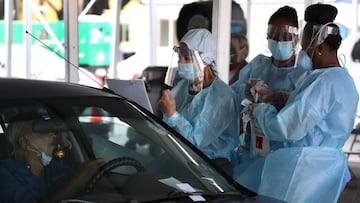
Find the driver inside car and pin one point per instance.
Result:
(31, 174)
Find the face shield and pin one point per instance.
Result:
(185, 64)
(319, 33)
(282, 41)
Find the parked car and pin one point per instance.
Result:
(146, 160)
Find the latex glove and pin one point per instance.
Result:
(257, 89)
(167, 103)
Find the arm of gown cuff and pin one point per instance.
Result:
(262, 110)
(172, 119)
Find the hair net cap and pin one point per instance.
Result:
(201, 40)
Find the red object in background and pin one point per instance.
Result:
(259, 142)
(95, 116)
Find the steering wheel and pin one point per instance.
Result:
(108, 166)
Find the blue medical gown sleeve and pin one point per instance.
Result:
(323, 106)
(239, 86)
(284, 125)
(208, 120)
(262, 68)
(179, 122)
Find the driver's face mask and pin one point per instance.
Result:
(44, 158)
(186, 64)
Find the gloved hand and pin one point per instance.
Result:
(167, 103)
(256, 89)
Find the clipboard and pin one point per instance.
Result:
(132, 89)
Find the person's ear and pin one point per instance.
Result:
(23, 142)
(321, 49)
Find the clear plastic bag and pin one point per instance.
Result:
(259, 145)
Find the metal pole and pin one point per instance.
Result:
(27, 10)
(356, 6)
(71, 41)
(8, 35)
(221, 31)
(115, 41)
(153, 35)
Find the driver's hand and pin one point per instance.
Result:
(88, 169)
(78, 181)
(86, 172)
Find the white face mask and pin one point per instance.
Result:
(44, 158)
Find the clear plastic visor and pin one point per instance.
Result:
(183, 56)
(282, 33)
(320, 33)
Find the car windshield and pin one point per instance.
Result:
(146, 160)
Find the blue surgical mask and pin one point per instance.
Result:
(187, 71)
(44, 158)
(281, 50)
(304, 61)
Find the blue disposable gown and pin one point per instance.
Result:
(276, 78)
(314, 125)
(207, 119)
(248, 169)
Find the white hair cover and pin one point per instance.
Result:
(201, 40)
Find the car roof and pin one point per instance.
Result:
(17, 88)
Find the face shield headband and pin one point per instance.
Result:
(190, 56)
(282, 33)
(319, 35)
(185, 64)
(321, 32)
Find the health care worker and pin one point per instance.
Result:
(201, 106)
(278, 73)
(314, 124)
